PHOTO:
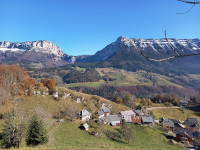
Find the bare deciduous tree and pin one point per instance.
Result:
(72, 111)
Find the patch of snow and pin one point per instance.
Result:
(3, 49)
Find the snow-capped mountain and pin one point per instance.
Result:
(37, 46)
(123, 53)
(42, 52)
(150, 46)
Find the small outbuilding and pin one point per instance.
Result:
(85, 126)
(85, 115)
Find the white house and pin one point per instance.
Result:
(85, 115)
(128, 115)
(78, 100)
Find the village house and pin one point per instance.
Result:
(45, 91)
(190, 121)
(55, 93)
(184, 134)
(85, 115)
(183, 103)
(195, 128)
(127, 115)
(78, 100)
(113, 120)
(169, 124)
(64, 95)
(38, 92)
(100, 114)
(106, 110)
(147, 120)
(139, 112)
(130, 117)
(136, 119)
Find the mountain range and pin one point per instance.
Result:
(123, 53)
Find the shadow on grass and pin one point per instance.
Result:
(1, 136)
(169, 137)
(195, 108)
(114, 136)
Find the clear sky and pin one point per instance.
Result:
(86, 26)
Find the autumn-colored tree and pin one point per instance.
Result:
(149, 102)
(29, 82)
(30, 91)
(38, 85)
(118, 100)
(49, 83)
(12, 80)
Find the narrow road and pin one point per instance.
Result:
(151, 108)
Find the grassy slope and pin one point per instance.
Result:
(89, 84)
(67, 135)
(127, 78)
(191, 112)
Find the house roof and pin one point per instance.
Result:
(175, 121)
(127, 113)
(100, 112)
(193, 120)
(139, 112)
(147, 119)
(186, 131)
(195, 125)
(190, 122)
(106, 110)
(168, 123)
(112, 118)
(86, 126)
(183, 101)
(84, 113)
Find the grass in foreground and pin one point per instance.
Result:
(69, 135)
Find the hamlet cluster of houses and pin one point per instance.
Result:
(104, 116)
(187, 131)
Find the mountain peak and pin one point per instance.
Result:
(43, 46)
(122, 38)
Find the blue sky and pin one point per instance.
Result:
(86, 26)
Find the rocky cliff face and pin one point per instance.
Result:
(41, 52)
(37, 46)
(159, 47)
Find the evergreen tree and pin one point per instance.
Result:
(12, 132)
(36, 133)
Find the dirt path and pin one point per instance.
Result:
(151, 108)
